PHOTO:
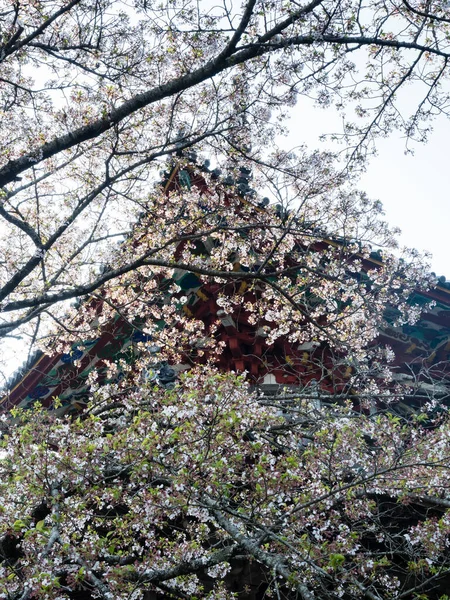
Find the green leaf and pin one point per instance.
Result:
(19, 525)
(337, 560)
(40, 525)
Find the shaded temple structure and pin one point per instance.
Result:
(421, 351)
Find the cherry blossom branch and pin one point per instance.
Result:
(39, 30)
(213, 67)
(186, 567)
(275, 562)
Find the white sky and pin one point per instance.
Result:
(414, 189)
(415, 192)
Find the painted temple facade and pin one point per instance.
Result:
(422, 350)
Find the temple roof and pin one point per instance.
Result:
(422, 347)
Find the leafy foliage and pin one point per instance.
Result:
(209, 488)
(169, 492)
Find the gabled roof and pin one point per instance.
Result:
(424, 346)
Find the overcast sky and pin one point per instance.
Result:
(414, 189)
(415, 192)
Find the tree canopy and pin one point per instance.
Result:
(209, 488)
(95, 95)
(208, 491)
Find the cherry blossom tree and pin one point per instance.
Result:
(210, 488)
(96, 95)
